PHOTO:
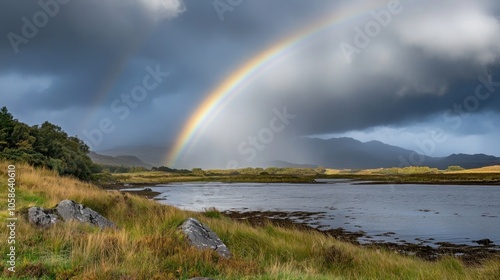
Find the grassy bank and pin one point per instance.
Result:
(147, 244)
(409, 175)
(159, 177)
(489, 175)
(463, 178)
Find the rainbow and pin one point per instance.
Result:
(250, 70)
(112, 76)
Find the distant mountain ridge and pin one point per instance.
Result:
(467, 161)
(283, 164)
(348, 153)
(338, 153)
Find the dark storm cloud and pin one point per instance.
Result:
(426, 62)
(80, 47)
(93, 48)
(375, 104)
(93, 52)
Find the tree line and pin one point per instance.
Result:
(45, 145)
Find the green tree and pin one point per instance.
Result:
(46, 145)
(272, 170)
(455, 168)
(198, 171)
(6, 128)
(320, 170)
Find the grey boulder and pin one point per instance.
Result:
(67, 210)
(70, 210)
(202, 237)
(42, 217)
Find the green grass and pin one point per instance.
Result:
(437, 178)
(158, 177)
(408, 175)
(148, 245)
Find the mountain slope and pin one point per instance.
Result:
(284, 164)
(337, 153)
(342, 153)
(124, 160)
(467, 161)
(153, 155)
(348, 153)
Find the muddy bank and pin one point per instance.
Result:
(305, 221)
(137, 189)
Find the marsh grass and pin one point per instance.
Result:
(159, 177)
(409, 175)
(486, 169)
(468, 177)
(148, 245)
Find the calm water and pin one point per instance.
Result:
(456, 214)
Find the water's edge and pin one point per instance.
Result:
(428, 220)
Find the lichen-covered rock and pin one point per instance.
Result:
(202, 237)
(70, 210)
(42, 217)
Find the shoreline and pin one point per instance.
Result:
(467, 253)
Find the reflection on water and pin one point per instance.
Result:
(396, 213)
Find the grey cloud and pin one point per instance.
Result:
(95, 51)
(82, 46)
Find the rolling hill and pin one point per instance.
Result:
(121, 160)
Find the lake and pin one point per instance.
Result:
(420, 214)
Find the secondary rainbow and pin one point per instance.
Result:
(112, 76)
(233, 84)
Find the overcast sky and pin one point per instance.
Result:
(432, 68)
